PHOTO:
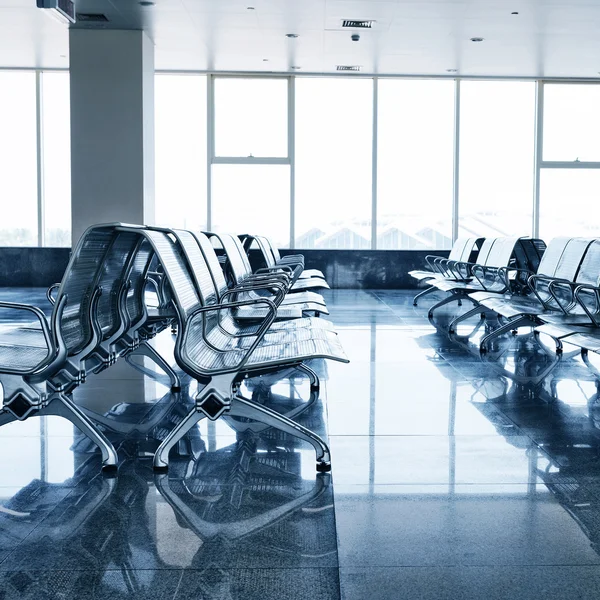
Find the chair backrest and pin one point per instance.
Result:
(458, 249)
(570, 260)
(501, 252)
(237, 261)
(265, 247)
(198, 266)
(78, 285)
(589, 269)
(135, 303)
(551, 258)
(113, 276)
(485, 250)
(471, 250)
(212, 260)
(176, 270)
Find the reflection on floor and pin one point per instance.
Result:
(452, 478)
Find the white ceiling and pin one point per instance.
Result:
(548, 38)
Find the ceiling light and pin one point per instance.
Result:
(291, 35)
(477, 39)
(265, 60)
(514, 12)
(250, 8)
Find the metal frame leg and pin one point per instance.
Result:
(6, 417)
(451, 298)
(513, 324)
(241, 407)
(315, 384)
(464, 317)
(145, 349)
(425, 292)
(161, 456)
(61, 406)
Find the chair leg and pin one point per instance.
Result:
(518, 322)
(145, 349)
(161, 456)
(447, 300)
(61, 406)
(429, 290)
(315, 384)
(241, 407)
(464, 317)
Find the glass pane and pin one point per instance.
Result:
(334, 136)
(252, 199)
(571, 122)
(569, 203)
(415, 140)
(251, 117)
(18, 159)
(180, 133)
(56, 139)
(497, 121)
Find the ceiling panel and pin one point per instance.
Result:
(548, 38)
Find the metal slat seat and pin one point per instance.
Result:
(219, 371)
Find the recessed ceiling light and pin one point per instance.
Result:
(515, 12)
(265, 60)
(146, 3)
(295, 67)
(451, 70)
(250, 8)
(291, 35)
(477, 39)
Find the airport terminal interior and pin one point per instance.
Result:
(299, 299)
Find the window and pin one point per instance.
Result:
(497, 131)
(415, 164)
(251, 117)
(569, 203)
(18, 159)
(252, 199)
(56, 152)
(334, 134)
(180, 133)
(571, 122)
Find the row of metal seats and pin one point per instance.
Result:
(561, 298)
(224, 333)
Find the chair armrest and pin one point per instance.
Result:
(49, 291)
(554, 285)
(51, 346)
(588, 289)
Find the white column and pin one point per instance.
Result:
(112, 127)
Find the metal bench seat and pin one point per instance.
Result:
(555, 301)
(305, 279)
(243, 278)
(220, 373)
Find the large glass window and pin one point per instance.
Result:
(251, 117)
(569, 203)
(334, 136)
(571, 122)
(180, 133)
(252, 199)
(18, 159)
(56, 152)
(415, 164)
(497, 131)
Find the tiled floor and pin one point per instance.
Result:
(450, 480)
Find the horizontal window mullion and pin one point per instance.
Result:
(555, 164)
(250, 160)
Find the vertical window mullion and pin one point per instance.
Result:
(374, 165)
(210, 141)
(538, 155)
(39, 158)
(292, 156)
(456, 178)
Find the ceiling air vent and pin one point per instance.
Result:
(347, 68)
(92, 18)
(347, 23)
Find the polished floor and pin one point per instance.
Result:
(452, 478)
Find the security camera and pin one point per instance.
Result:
(355, 37)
